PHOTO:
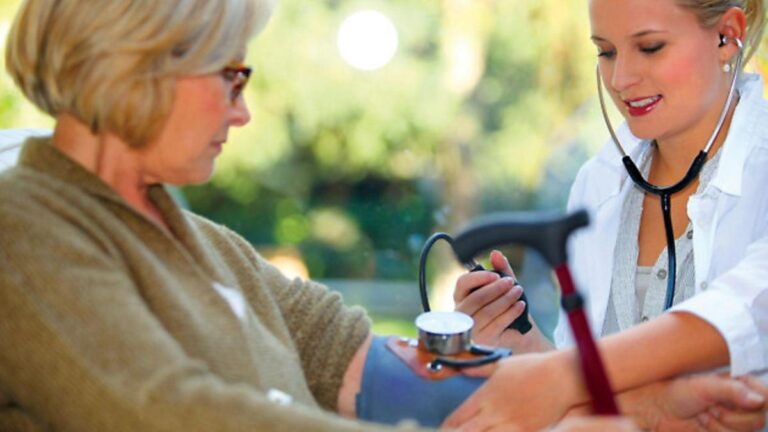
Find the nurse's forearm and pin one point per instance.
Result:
(670, 345)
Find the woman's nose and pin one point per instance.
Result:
(240, 113)
(624, 74)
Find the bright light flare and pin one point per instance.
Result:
(367, 40)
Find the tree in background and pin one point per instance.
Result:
(488, 105)
(356, 168)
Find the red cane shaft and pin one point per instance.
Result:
(603, 402)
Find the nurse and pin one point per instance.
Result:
(667, 65)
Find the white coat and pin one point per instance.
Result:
(730, 234)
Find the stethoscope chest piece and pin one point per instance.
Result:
(446, 339)
(445, 333)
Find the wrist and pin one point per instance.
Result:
(534, 341)
(565, 365)
(641, 405)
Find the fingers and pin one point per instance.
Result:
(500, 322)
(755, 384)
(476, 424)
(463, 414)
(738, 420)
(469, 282)
(474, 280)
(487, 296)
(501, 264)
(595, 424)
(708, 423)
(733, 393)
(481, 421)
(579, 411)
(498, 312)
(493, 318)
(505, 428)
(739, 404)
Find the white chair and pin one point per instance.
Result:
(11, 141)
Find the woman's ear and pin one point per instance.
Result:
(732, 25)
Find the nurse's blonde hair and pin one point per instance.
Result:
(710, 11)
(113, 63)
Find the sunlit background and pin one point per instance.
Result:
(367, 40)
(377, 123)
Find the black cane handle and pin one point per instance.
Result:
(545, 232)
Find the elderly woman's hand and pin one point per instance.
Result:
(732, 406)
(706, 402)
(494, 302)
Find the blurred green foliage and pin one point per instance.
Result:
(15, 111)
(487, 105)
(393, 325)
(355, 169)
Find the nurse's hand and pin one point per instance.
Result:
(596, 424)
(528, 392)
(494, 303)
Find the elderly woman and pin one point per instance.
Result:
(118, 309)
(121, 311)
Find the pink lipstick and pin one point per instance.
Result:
(642, 106)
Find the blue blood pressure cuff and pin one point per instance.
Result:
(391, 391)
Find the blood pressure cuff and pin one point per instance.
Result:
(391, 391)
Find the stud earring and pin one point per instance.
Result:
(727, 67)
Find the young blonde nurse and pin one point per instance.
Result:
(667, 65)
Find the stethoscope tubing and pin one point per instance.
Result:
(665, 192)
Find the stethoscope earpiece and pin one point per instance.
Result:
(723, 40)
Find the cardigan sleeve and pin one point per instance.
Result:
(82, 351)
(326, 332)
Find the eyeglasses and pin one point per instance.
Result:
(238, 74)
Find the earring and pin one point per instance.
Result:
(726, 67)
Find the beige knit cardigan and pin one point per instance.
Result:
(109, 322)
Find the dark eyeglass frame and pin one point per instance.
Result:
(238, 74)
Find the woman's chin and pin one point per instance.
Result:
(640, 132)
(189, 178)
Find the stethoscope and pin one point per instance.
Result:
(665, 192)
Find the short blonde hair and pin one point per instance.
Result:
(113, 63)
(709, 11)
